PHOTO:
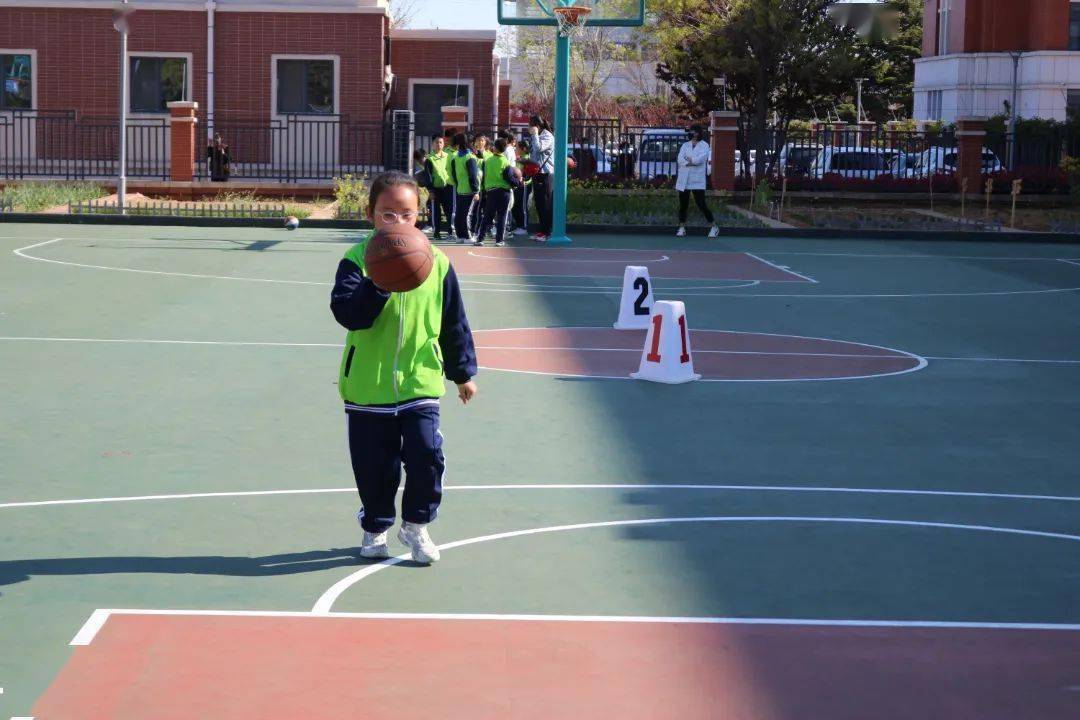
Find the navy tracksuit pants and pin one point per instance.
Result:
(380, 442)
(442, 199)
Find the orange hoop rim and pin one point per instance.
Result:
(572, 14)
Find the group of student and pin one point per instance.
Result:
(479, 186)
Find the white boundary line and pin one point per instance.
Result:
(908, 257)
(921, 361)
(781, 268)
(20, 252)
(326, 601)
(563, 486)
(832, 296)
(1070, 262)
(637, 351)
(508, 256)
(230, 343)
(98, 618)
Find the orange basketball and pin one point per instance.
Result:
(399, 260)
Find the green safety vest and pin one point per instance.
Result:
(440, 163)
(494, 167)
(398, 358)
(461, 168)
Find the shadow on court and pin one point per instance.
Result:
(17, 571)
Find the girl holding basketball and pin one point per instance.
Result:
(399, 347)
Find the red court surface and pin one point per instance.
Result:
(596, 262)
(717, 355)
(155, 667)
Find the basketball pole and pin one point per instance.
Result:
(562, 130)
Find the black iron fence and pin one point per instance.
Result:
(318, 148)
(63, 144)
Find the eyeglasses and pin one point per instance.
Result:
(393, 218)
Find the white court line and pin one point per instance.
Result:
(1070, 262)
(20, 252)
(326, 601)
(564, 486)
(229, 343)
(473, 253)
(787, 270)
(637, 351)
(530, 286)
(98, 618)
(906, 256)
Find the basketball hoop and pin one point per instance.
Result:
(571, 20)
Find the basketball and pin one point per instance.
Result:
(514, 176)
(530, 169)
(399, 260)
(291, 223)
(571, 163)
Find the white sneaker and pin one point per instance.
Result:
(714, 232)
(520, 232)
(681, 232)
(416, 537)
(375, 545)
(427, 230)
(464, 240)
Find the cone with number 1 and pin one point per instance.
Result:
(666, 357)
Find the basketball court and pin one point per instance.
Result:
(866, 508)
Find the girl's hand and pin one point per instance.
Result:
(466, 391)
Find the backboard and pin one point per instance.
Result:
(610, 13)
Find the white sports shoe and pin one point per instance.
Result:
(714, 231)
(464, 240)
(416, 537)
(681, 232)
(375, 545)
(520, 232)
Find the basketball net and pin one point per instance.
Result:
(571, 20)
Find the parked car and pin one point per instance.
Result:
(602, 163)
(945, 160)
(658, 154)
(797, 158)
(903, 164)
(853, 162)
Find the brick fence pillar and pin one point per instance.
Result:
(839, 130)
(866, 132)
(455, 117)
(724, 127)
(182, 121)
(970, 136)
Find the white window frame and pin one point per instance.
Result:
(33, 75)
(189, 84)
(336, 59)
(413, 82)
(944, 12)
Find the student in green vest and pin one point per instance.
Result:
(523, 194)
(496, 195)
(442, 191)
(465, 177)
(399, 348)
(482, 151)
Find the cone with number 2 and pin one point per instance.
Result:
(666, 357)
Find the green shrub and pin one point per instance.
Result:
(37, 196)
(352, 196)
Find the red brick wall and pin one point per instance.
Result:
(999, 25)
(78, 55)
(471, 60)
(245, 41)
(78, 52)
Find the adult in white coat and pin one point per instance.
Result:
(693, 167)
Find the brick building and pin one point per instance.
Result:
(247, 63)
(973, 50)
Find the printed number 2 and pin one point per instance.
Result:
(658, 324)
(643, 285)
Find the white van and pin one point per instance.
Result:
(658, 153)
(944, 161)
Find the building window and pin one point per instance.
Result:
(944, 11)
(18, 82)
(1074, 26)
(305, 87)
(156, 81)
(1072, 104)
(933, 105)
(428, 99)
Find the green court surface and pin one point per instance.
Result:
(172, 440)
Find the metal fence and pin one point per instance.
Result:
(63, 144)
(198, 209)
(318, 148)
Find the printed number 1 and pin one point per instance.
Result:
(658, 324)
